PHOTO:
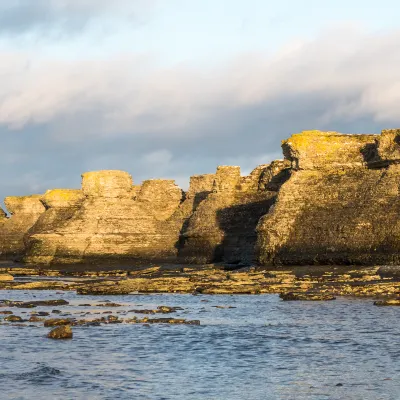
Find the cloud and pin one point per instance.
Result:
(129, 95)
(129, 113)
(51, 16)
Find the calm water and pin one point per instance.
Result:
(262, 349)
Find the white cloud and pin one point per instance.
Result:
(130, 95)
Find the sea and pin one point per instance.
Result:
(247, 347)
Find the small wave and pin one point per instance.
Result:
(39, 375)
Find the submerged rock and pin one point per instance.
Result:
(33, 304)
(13, 318)
(61, 332)
(389, 302)
(292, 296)
(162, 321)
(35, 318)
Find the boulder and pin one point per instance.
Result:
(61, 332)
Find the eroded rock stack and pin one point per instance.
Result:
(341, 204)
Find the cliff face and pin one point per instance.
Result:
(341, 204)
(108, 219)
(25, 211)
(223, 225)
(334, 199)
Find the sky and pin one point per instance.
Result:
(174, 88)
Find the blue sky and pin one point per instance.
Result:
(171, 88)
(192, 31)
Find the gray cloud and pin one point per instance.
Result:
(58, 120)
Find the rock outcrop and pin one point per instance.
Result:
(108, 220)
(334, 199)
(340, 205)
(222, 228)
(111, 219)
(25, 211)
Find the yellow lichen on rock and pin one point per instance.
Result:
(62, 198)
(107, 183)
(23, 204)
(326, 150)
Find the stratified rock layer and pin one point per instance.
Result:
(111, 221)
(341, 204)
(334, 199)
(25, 211)
(223, 225)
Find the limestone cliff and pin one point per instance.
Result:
(110, 219)
(340, 205)
(25, 211)
(223, 225)
(334, 199)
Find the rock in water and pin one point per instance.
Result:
(57, 322)
(388, 302)
(13, 318)
(60, 332)
(292, 296)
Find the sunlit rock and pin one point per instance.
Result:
(25, 211)
(340, 205)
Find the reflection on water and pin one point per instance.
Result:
(263, 348)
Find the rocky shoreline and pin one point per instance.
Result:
(296, 283)
(312, 283)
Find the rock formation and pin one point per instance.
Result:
(109, 219)
(222, 228)
(334, 199)
(340, 205)
(25, 211)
